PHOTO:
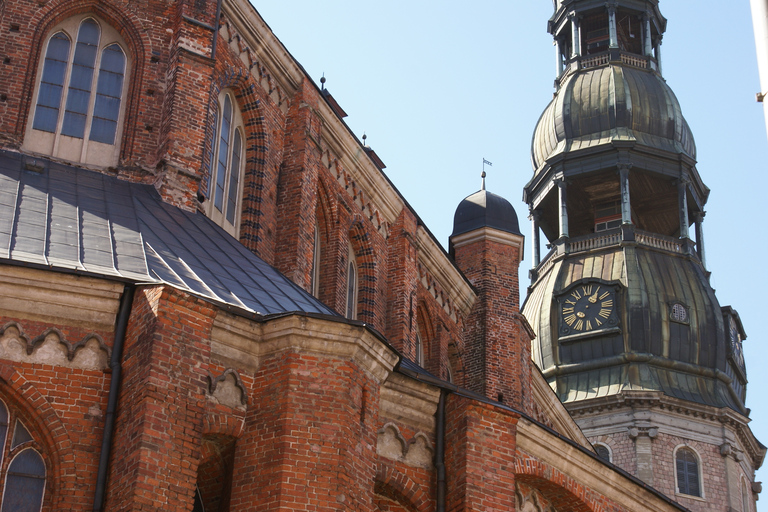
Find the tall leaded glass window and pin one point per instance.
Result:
(687, 465)
(52, 83)
(109, 90)
(226, 178)
(24, 478)
(81, 79)
(80, 93)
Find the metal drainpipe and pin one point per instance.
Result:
(116, 365)
(214, 44)
(440, 451)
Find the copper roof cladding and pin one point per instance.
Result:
(485, 209)
(67, 219)
(651, 352)
(614, 102)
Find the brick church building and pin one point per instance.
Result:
(212, 298)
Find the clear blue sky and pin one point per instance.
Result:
(438, 86)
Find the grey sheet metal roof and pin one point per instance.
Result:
(71, 219)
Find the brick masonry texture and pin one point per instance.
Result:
(270, 421)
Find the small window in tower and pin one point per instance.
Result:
(603, 452)
(607, 216)
(687, 465)
(678, 313)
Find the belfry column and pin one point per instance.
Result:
(558, 59)
(535, 251)
(561, 189)
(647, 42)
(698, 218)
(682, 201)
(575, 36)
(612, 33)
(626, 207)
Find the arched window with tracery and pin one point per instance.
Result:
(352, 284)
(687, 472)
(226, 179)
(24, 478)
(79, 97)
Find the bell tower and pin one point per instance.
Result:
(629, 332)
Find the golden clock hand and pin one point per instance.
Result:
(593, 298)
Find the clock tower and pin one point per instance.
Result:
(629, 332)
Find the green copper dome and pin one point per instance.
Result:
(601, 107)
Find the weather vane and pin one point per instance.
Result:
(489, 164)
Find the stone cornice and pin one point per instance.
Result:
(490, 234)
(454, 291)
(349, 163)
(57, 298)
(255, 39)
(738, 423)
(409, 402)
(280, 75)
(245, 343)
(568, 459)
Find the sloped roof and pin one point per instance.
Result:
(70, 219)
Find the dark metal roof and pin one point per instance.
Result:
(686, 360)
(607, 104)
(70, 219)
(485, 209)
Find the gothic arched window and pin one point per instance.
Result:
(226, 184)
(79, 98)
(23, 482)
(315, 284)
(419, 350)
(688, 479)
(352, 278)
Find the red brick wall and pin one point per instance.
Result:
(480, 445)
(310, 439)
(159, 425)
(498, 346)
(63, 410)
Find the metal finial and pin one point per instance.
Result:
(322, 82)
(364, 137)
(485, 162)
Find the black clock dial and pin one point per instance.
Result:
(587, 307)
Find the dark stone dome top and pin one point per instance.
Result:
(607, 104)
(485, 209)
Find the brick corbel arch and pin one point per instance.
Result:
(397, 486)
(124, 22)
(35, 408)
(562, 491)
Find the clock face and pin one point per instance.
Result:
(588, 307)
